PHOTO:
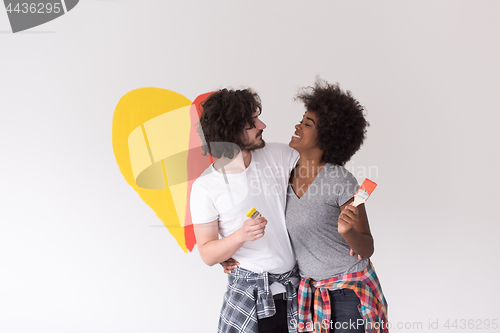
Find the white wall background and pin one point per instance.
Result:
(79, 250)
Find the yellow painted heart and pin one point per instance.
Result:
(159, 153)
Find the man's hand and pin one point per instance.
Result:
(229, 265)
(252, 229)
(348, 218)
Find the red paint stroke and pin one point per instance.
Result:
(196, 164)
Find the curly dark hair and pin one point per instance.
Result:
(341, 123)
(225, 114)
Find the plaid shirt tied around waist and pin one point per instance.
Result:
(365, 284)
(249, 298)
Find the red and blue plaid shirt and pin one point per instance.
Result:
(364, 283)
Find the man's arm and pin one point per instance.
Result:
(214, 250)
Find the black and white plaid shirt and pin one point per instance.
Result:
(249, 298)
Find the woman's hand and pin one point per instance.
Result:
(359, 256)
(229, 265)
(353, 226)
(348, 218)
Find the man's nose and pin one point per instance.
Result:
(260, 124)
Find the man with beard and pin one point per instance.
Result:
(261, 293)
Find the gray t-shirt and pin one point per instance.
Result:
(311, 221)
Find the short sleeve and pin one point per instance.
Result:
(345, 186)
(202, 206)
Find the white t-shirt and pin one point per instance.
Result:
(263, 185)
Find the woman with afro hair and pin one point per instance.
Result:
(339, 291)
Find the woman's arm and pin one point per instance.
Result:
(353, 226)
